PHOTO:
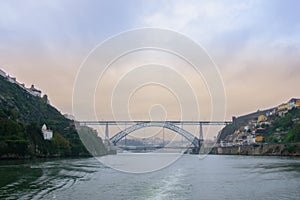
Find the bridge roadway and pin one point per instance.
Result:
(124, 122)
(153, 148)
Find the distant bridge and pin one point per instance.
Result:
(171, 125)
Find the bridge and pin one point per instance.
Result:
(171, 125)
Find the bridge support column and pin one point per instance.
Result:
(200, 137)
(106, 131)
(200, 132)
(163, 137)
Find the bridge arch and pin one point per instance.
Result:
(190, 137)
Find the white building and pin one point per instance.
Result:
(47, 134)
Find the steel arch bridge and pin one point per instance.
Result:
(190, 137)
(171, 125)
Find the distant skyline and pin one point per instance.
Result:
(255, 44)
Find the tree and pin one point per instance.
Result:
(296, 131)
(62, 144)
(14, 114)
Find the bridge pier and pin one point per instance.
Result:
(106, 131)
(200, 131)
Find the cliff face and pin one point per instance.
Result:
(291, 149)
(21, 118)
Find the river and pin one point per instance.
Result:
(214, 177)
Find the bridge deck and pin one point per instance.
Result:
(141, 121)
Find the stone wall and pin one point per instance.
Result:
(291, 149)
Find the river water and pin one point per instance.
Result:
(215, 177)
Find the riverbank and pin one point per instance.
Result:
(55, 156)
(290, 149)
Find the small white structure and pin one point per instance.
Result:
(47, 134)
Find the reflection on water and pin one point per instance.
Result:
(36, 179)
(215, 177)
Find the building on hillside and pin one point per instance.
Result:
(246, 128)
(271, 112)
(260, 131)
(259, 138)
(2, 73)
(222, 143)
(297, 103)
(35, 92)
(47, 133)
(32, 90)
(261, 118)
(294, 103)
(282, 109)
(250, 139)
(11, 79)
(264, 123)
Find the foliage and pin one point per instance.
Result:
(289, 124)
(21, 118)
(61, 144)
(93, 143)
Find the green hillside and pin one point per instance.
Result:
(285, 129)
(21, 118)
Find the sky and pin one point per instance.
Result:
(255, 44)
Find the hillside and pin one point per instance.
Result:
(240, 121)
(285, 129)
(277, 125)
(21, 118)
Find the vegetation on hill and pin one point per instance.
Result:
(285, 129)
(21, 118)
(92, 142)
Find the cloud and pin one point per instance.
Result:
(254, 43)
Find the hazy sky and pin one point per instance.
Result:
(255, 44)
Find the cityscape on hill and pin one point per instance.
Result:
(279, 125)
